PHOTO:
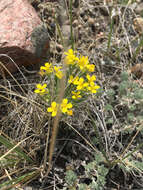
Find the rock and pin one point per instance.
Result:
(23, 39)
(91, 21)
(59, 47)
(85, 18)
(138, 25)
(108, 2)
(75, 23)
(66, 31)
(139, 9)
(104, 11)
(76, 3)
(137, 70)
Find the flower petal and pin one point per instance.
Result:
(54, 104)
(54, 113)
(49, 109)
(65, 101)
(70, 112)
(69, 105)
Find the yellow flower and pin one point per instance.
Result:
(83, 62)
(41, 72)
(46, 69)
(41, 89)
(81, 84)
(71, 79)
(70, 57)
(69, 112)
(76, 80)
(91, 78)
(53, 109)
(69, 53)
(90, 67)
(59, 73)
(65, 106)
(76, 95)
(93, 88)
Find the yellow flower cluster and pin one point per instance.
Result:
(79, 84)
(87, 81)
(49, 68)
(82, 62)
(70, 58)
(86, 85)
(59, 73)
(76, 95)
(65, 107)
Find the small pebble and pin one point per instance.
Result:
(138, 24)
(76, 3)
(66, 30)
(75, 23)
(59, 47)
(139, 8)
(49, 19)
(104, 11)
(137, 70)
(85, 18)
(91, 21)
(79, 26)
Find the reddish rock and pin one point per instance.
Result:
(22, 36)
(137, 70)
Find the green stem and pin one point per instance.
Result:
(110, 33)
(71, 28)
(100, 143)
(138, 49)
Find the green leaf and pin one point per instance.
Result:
(22, 179)
(18, 150)
(130, 116)
(70, 177)
(124, 76)
(139, 94)
(108, 107)
(83, 186)
(110, 92)
(123, 87)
